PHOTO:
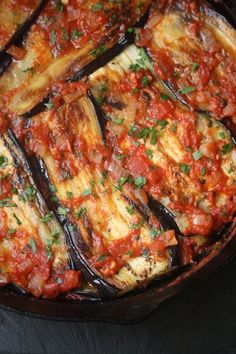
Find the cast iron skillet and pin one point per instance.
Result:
(136, 305)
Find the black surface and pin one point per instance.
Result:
(201, 320)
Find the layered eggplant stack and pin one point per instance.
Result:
(127, 172)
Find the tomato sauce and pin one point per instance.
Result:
(155, 113)
(206, 79)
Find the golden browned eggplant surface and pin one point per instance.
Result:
(64, 39)
(127, 168)
(13, 14)
(112, 236)
(33, 252)
(187, 160)
(194, 52)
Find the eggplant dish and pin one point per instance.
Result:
(117, 145)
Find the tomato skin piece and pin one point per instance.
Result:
(71, 280)
(139, 165)
(159, 110)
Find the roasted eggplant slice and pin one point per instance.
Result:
(193, 49)
(15, 17)
(119, 247)
(33, 253)
(183, 159)
(64, 39)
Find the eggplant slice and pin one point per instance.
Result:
(33, 251)
(119, 247)
(15, 19)
(186, 160)
(193, 49)
(64, 40)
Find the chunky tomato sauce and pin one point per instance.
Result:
(14, 13)
(204, 74)
(61, 137)
(141, 142)
(82, 23)
(25, 258)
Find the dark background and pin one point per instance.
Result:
(201, 320)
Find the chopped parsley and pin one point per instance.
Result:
(118, 121)
(149, 153)
(97, 7)
(52, 37)
(186, 90)
(226, 148)
(102, 180)
(3, 162)
(135, 90)
(11, 231)
(140, 182)
(28, 194)
(62, 211)
(130, 209)
(154, 233)
(99, 51)
(47, 217)
(195, 67)
(136, 226)
(119, 156)
(69, 194)
(32, 245)
(162, 123)
(17, 219)
(222, 135)
(197, 155)
(75, 34)
(134, 68)
(153, 136)
(49, 105)
(145, 81)
(7, 202)
(59, 6)
(71, 227)
(102, 257)
(86, 192)
(185, 168)
(203, 171)
(80, 212)
(164, 97)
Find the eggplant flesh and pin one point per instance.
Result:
(62, 51)
(93, 207)
(193, 51)
(187, 164)
(34, 254)
(15, 19)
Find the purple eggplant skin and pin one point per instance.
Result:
(130, 308)
(31, 168)
(76, 245)
(73, 236)
(18, 36)
(86, 70)
(5, 61)
(127, 39)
